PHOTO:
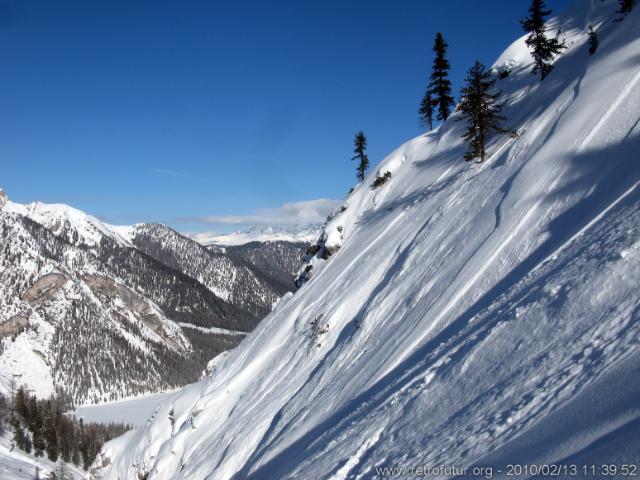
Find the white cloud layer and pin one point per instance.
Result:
(292, 213)
(170, 173)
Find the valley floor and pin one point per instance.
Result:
(135, 411)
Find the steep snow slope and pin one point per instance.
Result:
(473, 314)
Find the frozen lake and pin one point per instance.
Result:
(134, 411)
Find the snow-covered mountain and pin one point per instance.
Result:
(278, 261)
(468, 315)
(261, 233)
(103, 312)
(15, 464)
(230, 278)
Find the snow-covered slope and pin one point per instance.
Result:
(258, 233)
(472, 315)
(16, 464)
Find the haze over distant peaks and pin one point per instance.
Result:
(261, 233)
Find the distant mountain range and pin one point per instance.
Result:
(261, 233)
(102, 312)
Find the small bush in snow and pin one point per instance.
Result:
(328, 251)
(312, 250)
(304, 277)
(339, 228)
(593, 40)
(381, 179)
(317, 330)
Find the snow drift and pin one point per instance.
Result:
(474, 314)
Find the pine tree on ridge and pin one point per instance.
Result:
(481, 110)
(426, 111)
(542, 47)
(440, 85)
(360, 146)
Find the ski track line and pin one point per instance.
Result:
(624, 93)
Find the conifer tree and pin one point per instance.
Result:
(3, 413)
(626, 6)
(33, 412)
(21, 404)
(19, 436)
(426, 111)
(440, 86)
(28, 446)
(50, 434)
(360, 146)
(593, 40)
(39, 443)
(480, 109)
(543, 48)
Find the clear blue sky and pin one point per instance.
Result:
(175, 111)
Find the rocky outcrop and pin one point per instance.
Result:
(106, 287)
(13, 326)
(44, 289)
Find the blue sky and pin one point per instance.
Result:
(205, 115)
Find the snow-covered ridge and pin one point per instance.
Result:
(259, 233)
(469, 314)
(60, 218)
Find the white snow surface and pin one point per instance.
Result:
(260, 233)
(132, 411)
(475, 314)
(216, 330)
(16, 464)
